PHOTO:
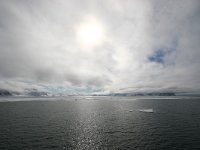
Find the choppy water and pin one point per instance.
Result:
(100, 123)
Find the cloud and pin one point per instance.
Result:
(149, 45)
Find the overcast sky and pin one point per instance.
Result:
(100, 45)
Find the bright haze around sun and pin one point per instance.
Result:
(100, 46)
(90, 32)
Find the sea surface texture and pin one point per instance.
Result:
(90, 123)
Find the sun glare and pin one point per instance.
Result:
(90, 33)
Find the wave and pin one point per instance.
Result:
(147, 110)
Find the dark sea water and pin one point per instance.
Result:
(100, 123)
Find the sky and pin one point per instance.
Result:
(100, 46)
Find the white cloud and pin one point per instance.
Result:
(38, 43)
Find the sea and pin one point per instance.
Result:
(100, 123)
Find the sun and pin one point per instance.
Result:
(90, 33)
